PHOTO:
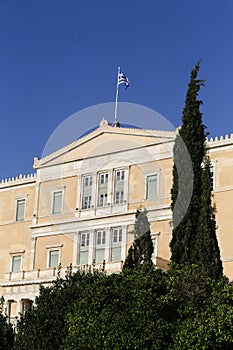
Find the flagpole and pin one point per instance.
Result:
(115, 117)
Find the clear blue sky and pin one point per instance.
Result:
(60, 56)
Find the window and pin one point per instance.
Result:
(120, 175)
(116, 244)
(54, 258)
(87, 202)
(20, 209)
(103, 178)
(119, 186)
(85, 239)
(57, 202)
(119, 197)
(101, 237)
(100, 246)
(117, 235)
(16, 262)
(87, 181)
(103, 200)
(151, 187)
(84, 248)
(154, 241)
(103, 190)
(212, 177)
(87, 192)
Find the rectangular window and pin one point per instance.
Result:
(119, 197)
(212, 177)
(57, 202)
(101, 237)
(151, 187)
(20, 209)
(120, 175)
(103, 178)
(117, 235)
(103, 200)
(116, 244)
(87, 192)
(54, 257)
(84, 248)
(16, 263)
(103, 190)
(154, 241)
(119, 186)
(100, 246)
(87, 202)
(85, 239)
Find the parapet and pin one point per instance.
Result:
(220, 141)
(18, 180)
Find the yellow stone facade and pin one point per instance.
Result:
(79, 207)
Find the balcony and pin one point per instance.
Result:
(41, 276)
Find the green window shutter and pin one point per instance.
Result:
(53, 258)
(16, 263)
(20, 210)
(57, 202)
(151, 187)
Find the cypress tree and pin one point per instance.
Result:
(142, 248)
(198, 224)
(207, 249)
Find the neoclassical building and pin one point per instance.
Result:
(79, 207)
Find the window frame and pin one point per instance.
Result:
(102, 189)
(147, 186)
(84, 248)
(13, 256)
(102, 238)
(17, 201)
(212, 176)
(119, 193)
(54, 191)
(53, 248)
(117, 244)
(49, 257)
(87, 181)
(86, 240)
(100, 245)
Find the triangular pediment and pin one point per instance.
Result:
(105, 140)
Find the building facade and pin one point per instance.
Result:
(79, 207)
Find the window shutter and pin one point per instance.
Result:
(53, 258)
(16, 263)
(151, 187)
(20, 209)
(57, 202)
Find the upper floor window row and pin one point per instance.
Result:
(104, 192)
(104, 189)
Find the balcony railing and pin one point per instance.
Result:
(50, 274)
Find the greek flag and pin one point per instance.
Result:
(123, 79)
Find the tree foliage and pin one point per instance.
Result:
(143, 308)
(141, 250)
(198, 224)
(122, 311)
(207, 252)
(6, 331)
(205, 317)
(44, 327)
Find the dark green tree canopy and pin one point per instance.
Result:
(142, 248)
(6, 331)
(198, 224)
(143, 308)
